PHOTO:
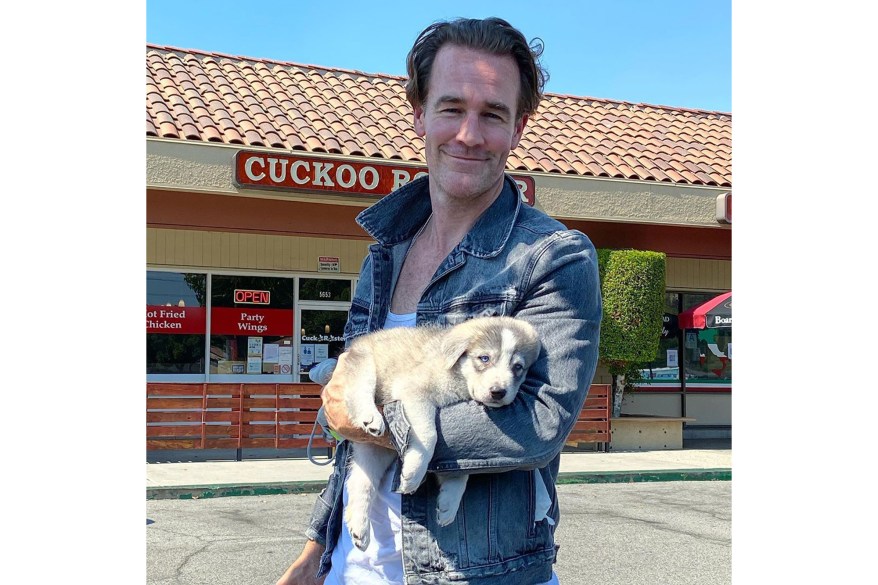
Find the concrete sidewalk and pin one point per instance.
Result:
(205, 479)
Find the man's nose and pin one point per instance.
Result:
(470, 131)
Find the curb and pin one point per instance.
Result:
(196, 492)
(720, 474)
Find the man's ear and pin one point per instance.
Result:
(454, 344)
(418, 118)
(519, 130)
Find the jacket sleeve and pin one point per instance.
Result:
(561, 299)
(329, 497)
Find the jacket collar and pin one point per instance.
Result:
(398, 216)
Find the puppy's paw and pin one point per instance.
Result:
(359, 530)
(360, 539)
(445, 517)
(375, 425)
(409, 484)
(446, 509)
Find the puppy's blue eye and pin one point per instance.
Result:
(485, 359)
(517, 367)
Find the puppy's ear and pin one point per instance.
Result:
(530, 341)
(535, 350)
(455, 343)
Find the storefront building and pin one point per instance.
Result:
(256, 170)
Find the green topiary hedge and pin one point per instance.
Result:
(633, 291)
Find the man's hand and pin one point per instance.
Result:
(304, 568)
(337, 414)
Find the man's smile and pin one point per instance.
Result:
(465, 156)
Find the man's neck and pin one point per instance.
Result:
(446, 227)
(452, 220)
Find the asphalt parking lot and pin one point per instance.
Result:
(648, 533)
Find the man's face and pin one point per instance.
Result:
(468, 122)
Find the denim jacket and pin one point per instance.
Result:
(515, 261)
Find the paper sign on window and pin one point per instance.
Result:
(270, 354)
(306, 354)
(254, 346)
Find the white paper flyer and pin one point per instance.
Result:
(254, 346)
(270, 354)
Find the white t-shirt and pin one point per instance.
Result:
(381, 562)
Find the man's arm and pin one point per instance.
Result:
(303, 570)
(337, 415)
(562, 301)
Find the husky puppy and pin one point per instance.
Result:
(483, 359)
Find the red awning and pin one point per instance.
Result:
(714, 314)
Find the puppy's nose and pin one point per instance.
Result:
(498, 393)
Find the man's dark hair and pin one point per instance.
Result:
(491, 35)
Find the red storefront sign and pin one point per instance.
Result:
(247, 321)
(176, 320)
(298, 173)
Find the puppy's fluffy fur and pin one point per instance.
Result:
(483, 359)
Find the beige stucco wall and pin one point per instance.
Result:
(649, 202)
(201, 167)
(196, 166)
(189, 166)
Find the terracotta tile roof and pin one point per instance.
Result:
(212, 97)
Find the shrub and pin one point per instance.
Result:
(633, 291)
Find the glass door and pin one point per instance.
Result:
(321, 316)
(321, 335)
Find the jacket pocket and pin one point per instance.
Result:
(495, 520)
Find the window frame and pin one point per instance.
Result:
(680, 385)
(206, 376)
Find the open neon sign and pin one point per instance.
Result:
(252, 297)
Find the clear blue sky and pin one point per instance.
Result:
(672, 53)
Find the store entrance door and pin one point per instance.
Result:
(320, 334)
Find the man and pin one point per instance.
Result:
(451, 246)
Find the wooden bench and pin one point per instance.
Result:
(281, 416)
(232, 416)
(593, 423)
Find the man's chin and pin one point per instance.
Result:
(467, 186)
